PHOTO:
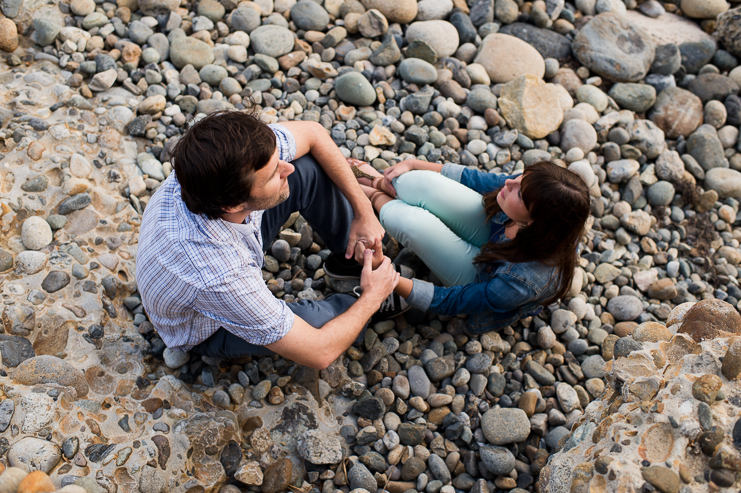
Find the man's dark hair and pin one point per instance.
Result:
(216, 159)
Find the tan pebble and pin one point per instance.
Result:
(663, 289)
(8, 35)
(685, 473)
(36, 482)
(651, 332)
(706, 388)
(598, 484)
(275, 396)
(657, 443)
(35, 150)
(437, 415)
(504, 483)
(623, 329)
(73, 186)
(131, 53)
(386, 395)
(731, 366)
(527, 403)
(439, 400)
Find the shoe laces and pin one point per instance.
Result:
(388, 304)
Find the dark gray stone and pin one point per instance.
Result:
(369, 408)
(549, 43)
(37, 184)
(7, 408)
(733, 110)
(464, 26)
(245, 19)
(440, 368)
(360, 477)
(696, 54)
(98, 451)
(482, 11)
(498, 460)
(55, 281)
(438, 468)
(711, 86)
(74, 203)
(70, 446)
(703, 144)
(6, 260)
(309, 16)
(540, 374)
(411, 433)
(626, 345)
(15, 349)
(11, 8)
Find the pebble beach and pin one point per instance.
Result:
(629, 385)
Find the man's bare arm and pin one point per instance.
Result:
(312, 138)
(318, 348)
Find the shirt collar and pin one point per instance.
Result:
(500, 218)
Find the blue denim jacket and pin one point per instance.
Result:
(503, 292)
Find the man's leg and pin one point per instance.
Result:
(224, 344)
(320, 202)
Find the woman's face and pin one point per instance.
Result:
(510, 200)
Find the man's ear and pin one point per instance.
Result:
(233, 210)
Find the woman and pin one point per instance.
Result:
(503, 246)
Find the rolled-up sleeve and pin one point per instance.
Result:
(421, 295)
(477, 180)
(453, 171)
(500, 294)
(285, 141)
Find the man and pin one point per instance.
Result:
(236, 180)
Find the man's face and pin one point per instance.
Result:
(271, 184)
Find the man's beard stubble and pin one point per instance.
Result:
(269, 202)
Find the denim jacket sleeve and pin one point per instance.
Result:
(501, 293)
(480, 181)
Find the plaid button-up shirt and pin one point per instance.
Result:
(197, 274)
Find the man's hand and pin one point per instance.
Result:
(366, 228)
(376, 248)
(378, 283)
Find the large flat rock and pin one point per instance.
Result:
(668, 28)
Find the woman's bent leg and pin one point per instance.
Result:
(458, 207)
(448, 256)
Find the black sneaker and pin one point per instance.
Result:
(338, 267)
(393, 306)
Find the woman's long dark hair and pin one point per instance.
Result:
(558, 202)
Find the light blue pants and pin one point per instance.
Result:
(440, 220)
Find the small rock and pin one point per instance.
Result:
(505, 425)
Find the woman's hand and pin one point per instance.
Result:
(397, 170)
